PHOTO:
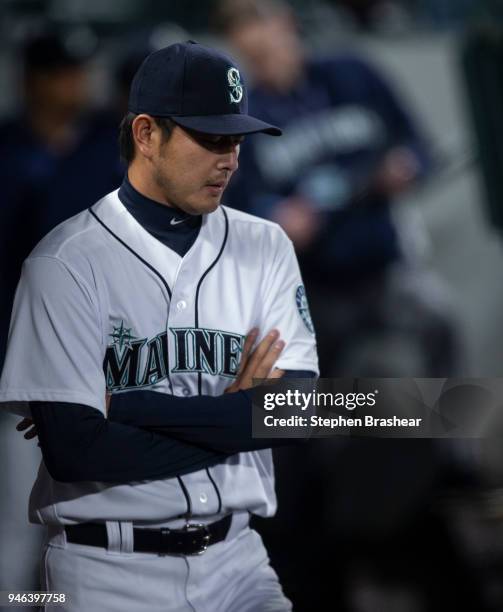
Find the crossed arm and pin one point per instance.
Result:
(166, 437)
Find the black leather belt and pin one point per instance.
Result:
(192, 539)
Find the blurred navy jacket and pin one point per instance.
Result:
(337, 125)
(40, 189)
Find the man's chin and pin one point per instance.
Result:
(205, 207)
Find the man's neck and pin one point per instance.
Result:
(138, 179)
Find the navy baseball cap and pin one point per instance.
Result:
(198, 88)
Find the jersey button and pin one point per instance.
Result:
(185, 391)
(203, 498)
(181, 305)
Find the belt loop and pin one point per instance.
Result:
(240, 522)
(127, 536)
(56, 535)
(114, 537)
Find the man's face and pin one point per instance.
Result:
(272, 51)
(64, 91)
(192, 169)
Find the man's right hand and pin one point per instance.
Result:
(258, 363)
(27, 423)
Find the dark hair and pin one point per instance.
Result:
(126, 140)
(50, 50)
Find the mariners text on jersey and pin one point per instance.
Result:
(196, 350)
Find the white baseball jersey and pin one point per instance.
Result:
(103, 304)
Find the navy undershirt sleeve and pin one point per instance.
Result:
(221, 423)
(79, 444)
(186, 434)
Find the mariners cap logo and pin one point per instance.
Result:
(303, 308)
(236, 92)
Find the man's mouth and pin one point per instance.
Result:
(216, 187)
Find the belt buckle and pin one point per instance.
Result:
(197, 528)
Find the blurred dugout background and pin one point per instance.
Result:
(368, 527)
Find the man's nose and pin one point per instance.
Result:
(229, 160)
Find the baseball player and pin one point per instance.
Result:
(137, 328)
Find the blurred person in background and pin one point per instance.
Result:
(46, 149)
(349, 150)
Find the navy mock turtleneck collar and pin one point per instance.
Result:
(175, 229)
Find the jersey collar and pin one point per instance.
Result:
(114, 215)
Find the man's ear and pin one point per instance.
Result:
(145, 134)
